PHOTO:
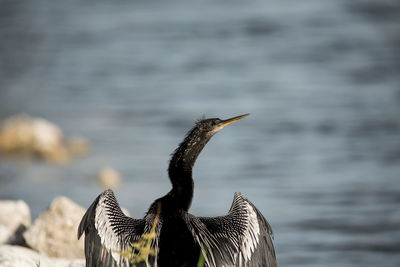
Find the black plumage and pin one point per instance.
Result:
(170, 236)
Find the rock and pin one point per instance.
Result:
(109, 177)
(54, 232)
(29, 137)
(15, 217)
(17, 237)
(13, 213)
(11, 256)
(5, 234)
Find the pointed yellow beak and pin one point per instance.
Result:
(232, 120)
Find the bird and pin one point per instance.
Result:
(168, 235)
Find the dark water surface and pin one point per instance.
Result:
(319, 155)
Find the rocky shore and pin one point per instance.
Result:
(51, 240)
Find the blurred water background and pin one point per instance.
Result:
(319, 155)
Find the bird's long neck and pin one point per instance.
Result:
(180, 168)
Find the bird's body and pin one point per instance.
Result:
(169, 235)
(177, 247)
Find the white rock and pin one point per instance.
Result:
(46, 134)
(11, 256)
(25, 136)
(54, 232)
(14, 214)
(25, 131)
(5, 234)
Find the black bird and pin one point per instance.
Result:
(170, 236)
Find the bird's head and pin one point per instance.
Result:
(211, 126)
(197, 138)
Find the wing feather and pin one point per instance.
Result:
(109, 232)
(243, 237)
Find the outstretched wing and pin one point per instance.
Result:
(109, 234)
(240, 238)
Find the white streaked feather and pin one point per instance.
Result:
(240, 238)
(109, 239)
(251, 234)
(110, 234)
(203, 238)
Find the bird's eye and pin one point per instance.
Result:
(214, 122)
